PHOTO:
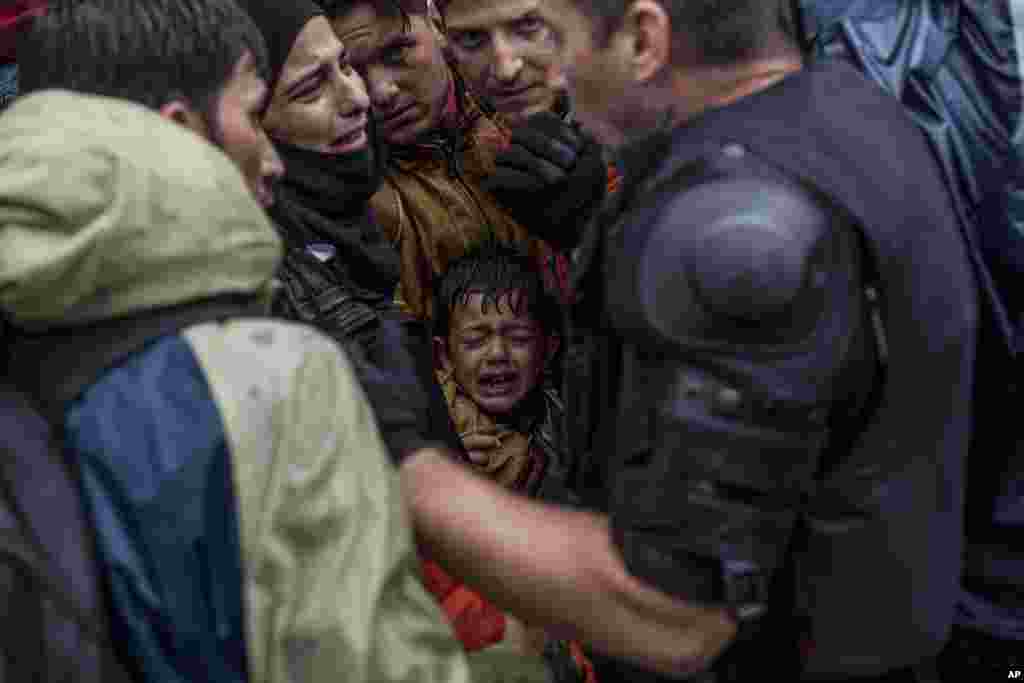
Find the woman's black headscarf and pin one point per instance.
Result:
(280, 22)
(323, 198)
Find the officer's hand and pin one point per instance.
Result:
(551, 178)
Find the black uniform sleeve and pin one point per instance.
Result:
(740, 305)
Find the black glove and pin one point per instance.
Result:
(550, 179)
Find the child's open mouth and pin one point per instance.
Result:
(498, 383)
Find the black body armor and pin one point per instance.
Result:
(775, 373)
(739, 305)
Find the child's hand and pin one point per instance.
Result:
(480, 447)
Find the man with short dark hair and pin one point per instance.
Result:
(507, 53)
(753, 307)
(199, 63)
(510, 58)
(441, 142)
(138, 287)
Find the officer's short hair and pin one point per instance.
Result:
(715, 32)
(495, 270)
(147, 51)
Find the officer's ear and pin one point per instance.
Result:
(647, 32)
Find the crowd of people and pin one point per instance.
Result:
(510, 340)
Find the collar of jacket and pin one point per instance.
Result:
(55, 367)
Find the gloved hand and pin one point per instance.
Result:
(550, 178)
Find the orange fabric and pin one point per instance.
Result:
(477, 623)
(614, 179)
(437, 580)
(510, 461)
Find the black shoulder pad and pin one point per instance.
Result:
(731, 248)
(753, 244)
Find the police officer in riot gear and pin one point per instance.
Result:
(769, 373)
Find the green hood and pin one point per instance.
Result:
(106, 209)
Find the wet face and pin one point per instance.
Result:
(495, 354)
(404, 68)
(237, 130)
(506, 51)
(320, 101)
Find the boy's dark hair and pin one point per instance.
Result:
(715, 32)
(495, 270)
(147, 51)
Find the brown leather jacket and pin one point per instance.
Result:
(528, 454)
(432, 206)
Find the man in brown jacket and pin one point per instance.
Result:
(512, 60)
(443, 143)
